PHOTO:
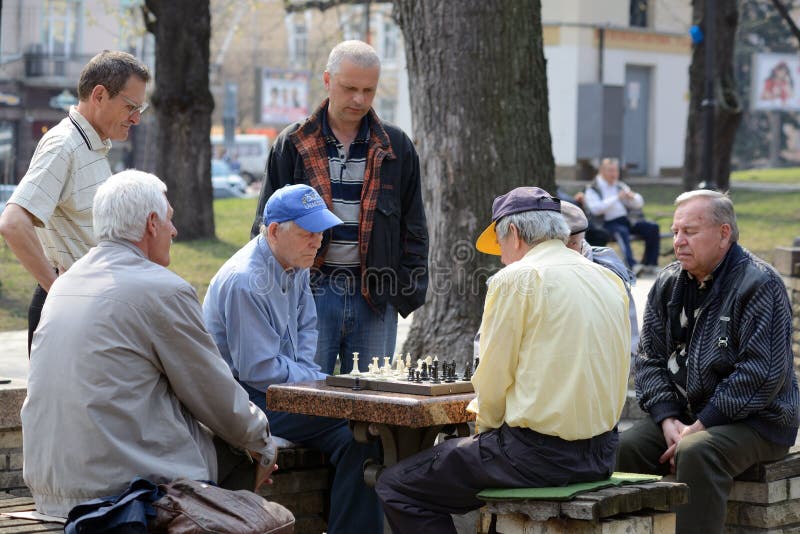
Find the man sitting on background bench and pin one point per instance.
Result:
(615, 203)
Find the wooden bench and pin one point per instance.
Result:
(640, 508)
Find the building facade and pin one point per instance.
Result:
(44, 44)
(618, 79)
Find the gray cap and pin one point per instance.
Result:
(576, 219)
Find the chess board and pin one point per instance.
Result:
(398, 385)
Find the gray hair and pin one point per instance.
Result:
(123, 203)
(721, 208)
(112, 70)
(285, 225)
(359, 52)
(534, 226)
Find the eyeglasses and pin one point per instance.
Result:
(133, 107)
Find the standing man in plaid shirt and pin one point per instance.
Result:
(367, 171)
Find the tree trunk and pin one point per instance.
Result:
(728, 112)
(479, 101)
(183, 106)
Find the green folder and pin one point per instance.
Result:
(563, 493)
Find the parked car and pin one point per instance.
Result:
(249, 152)
(5, 194)
(225, 181)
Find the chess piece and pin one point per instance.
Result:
(435, 372)
(417, 377)
(408, 359)
(468, 372)
(357, 385)
(424, 374)
(355, 371)
(387, 365)
(375, 365)
(449, 372)
(410, 374)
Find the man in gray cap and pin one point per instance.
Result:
(605, 256)
(552, 380)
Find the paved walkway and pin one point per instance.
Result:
(14, 344)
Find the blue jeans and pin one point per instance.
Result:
(347, 324)
(621, 229)
(354, 506)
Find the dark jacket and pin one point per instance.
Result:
(739, 358)
(393, 234)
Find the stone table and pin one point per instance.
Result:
(405, 423)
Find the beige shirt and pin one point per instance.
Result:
(555, 346)
(68, 166)
(122, 374)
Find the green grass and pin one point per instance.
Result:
(196, 261)
(787, 175)
(766, 220)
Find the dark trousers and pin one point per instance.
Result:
(707, 461)
(35, 313)
(354, 507)
(621, 228)
(419, 493)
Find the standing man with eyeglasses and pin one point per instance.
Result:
(47, 222)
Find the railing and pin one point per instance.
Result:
(41, 65)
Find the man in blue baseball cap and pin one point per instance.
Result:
(260, 311)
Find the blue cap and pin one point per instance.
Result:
(303, 205)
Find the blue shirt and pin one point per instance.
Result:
(263, 318)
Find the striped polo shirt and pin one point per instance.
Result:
(68, 166)
(347, 179)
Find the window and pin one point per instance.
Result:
(297, 29)
(386, 109)
(61, 27)
(389, 42)
(638, 14)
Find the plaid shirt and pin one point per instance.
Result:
(313, 149)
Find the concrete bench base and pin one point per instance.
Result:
(640, 508)
(766, 498)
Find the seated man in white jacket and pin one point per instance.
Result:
(124, 380)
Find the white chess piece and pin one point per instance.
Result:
(355, 371)
(408, 360)
(428, 360)
(376, 367)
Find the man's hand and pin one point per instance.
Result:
(625, 194)
(16, 227)
(263, 472)
(674, 431)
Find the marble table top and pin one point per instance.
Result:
(414, 411)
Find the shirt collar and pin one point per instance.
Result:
(88, 133)
(361, 137)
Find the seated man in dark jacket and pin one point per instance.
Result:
(714, 368)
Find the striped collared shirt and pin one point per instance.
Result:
(347, 180)
(68, 166)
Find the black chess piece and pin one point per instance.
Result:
(357, 385)
(424, 375)
(435, 372)
(417, 377)
(468, 371)
(411, 374)
(448, 373)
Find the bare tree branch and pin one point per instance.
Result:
(785, 14)
(293, 6)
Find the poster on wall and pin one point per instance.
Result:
(776, 82)
(284, 96)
